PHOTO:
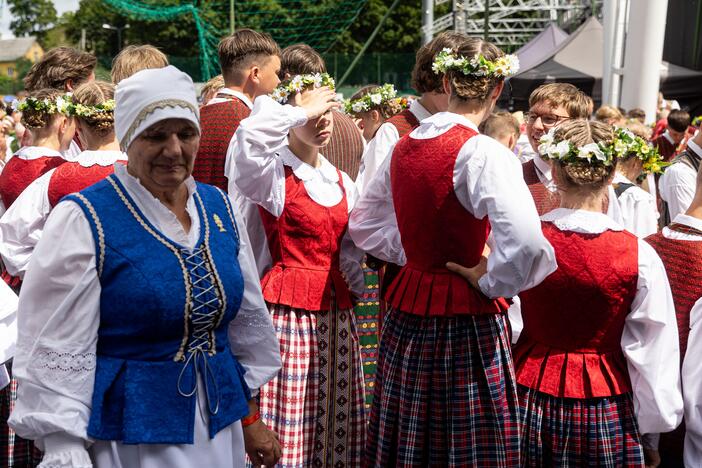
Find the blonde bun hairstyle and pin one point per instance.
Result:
(92, 94)
(472, 87)
(584, 173)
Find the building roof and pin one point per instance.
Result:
(12, 49)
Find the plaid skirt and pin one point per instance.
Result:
(316, 403)
(569, 432)
(16, 451)
(445, 394)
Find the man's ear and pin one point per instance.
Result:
(255, 74)
(375, 115)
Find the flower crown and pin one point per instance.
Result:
(593, 153)
(49, 106)
(299, 83)
(626, 143)
(503, 67)
(88, 111)
(376, 98)
(697, 121)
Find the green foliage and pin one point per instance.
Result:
(32, 17)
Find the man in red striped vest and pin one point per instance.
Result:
(250, 63)
(680, 247)
(432, 100)
(549, 105)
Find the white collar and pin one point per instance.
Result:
(304, 171)
(667, 136)
(448, 119)
(620, 178)
(35, 152)
(103, 158)
(420, 112)
(585, 222)
(544, 167)
(694, 147)
(689, 221)
(238, 94)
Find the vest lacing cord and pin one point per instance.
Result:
(204, 316)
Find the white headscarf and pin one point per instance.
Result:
(152, 95)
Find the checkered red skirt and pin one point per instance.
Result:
(16, 452)
(445, 394)
(570, 432)
(316, 403)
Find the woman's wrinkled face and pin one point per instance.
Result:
(162, 156)
(316, 132)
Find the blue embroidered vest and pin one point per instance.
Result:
(164, 314)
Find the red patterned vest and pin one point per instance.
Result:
(404, 122)
(683, 264)
(72, 177)
(435, 229)
(665, 147)
(20, 172)
(544, 199)
(305, 243)
(218, 122)
(570, 346)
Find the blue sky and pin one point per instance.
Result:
(61, 6)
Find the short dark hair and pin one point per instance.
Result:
(424, 80)
(300, 59)
(58, 66)
(679, 120)
(240, 49)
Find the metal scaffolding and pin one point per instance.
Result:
(509, 23)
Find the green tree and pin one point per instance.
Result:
(32, 17)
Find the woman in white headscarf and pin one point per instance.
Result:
(146, 333)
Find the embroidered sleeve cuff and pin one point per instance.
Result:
(65, 451)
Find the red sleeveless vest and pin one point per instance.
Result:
(305, 243)
(72, 177)
(218, 122)
(570, 346)
(404, 122)
(435, 229)
(19, 173)
(544, 199)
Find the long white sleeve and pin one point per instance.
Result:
(59, 315)
(21, 226)
(259, 173)
(251, 334)
(692, 389)
(373, 224)
(488, 181)
(651, 347)
(677, 188)
(376, 152)
(8, 328)
(635, 210)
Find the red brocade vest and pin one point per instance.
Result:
(305, 243)
(404, 122)
(20, 172)
(544, 199)
(683, 264)
(570, 346)
(218, 122)
(435, 229)
(72, 177)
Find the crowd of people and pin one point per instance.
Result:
(180, 272)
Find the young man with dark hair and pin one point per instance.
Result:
(668, 143)
(549, 105)
(250, 63)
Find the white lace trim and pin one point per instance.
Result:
(586, 222)
(66, 366)
(101, 158)
(69, 459)
(35, 152)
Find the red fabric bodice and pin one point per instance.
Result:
(683, 264)
(305, 244)
(665, 147)
(72, 177)
(544, 199)
(404, 122)
(570, 346)
(19, 173)
(435, 229)
(218, 122)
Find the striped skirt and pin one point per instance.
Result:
(445, 394)
(569, 432)
(316, 403)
